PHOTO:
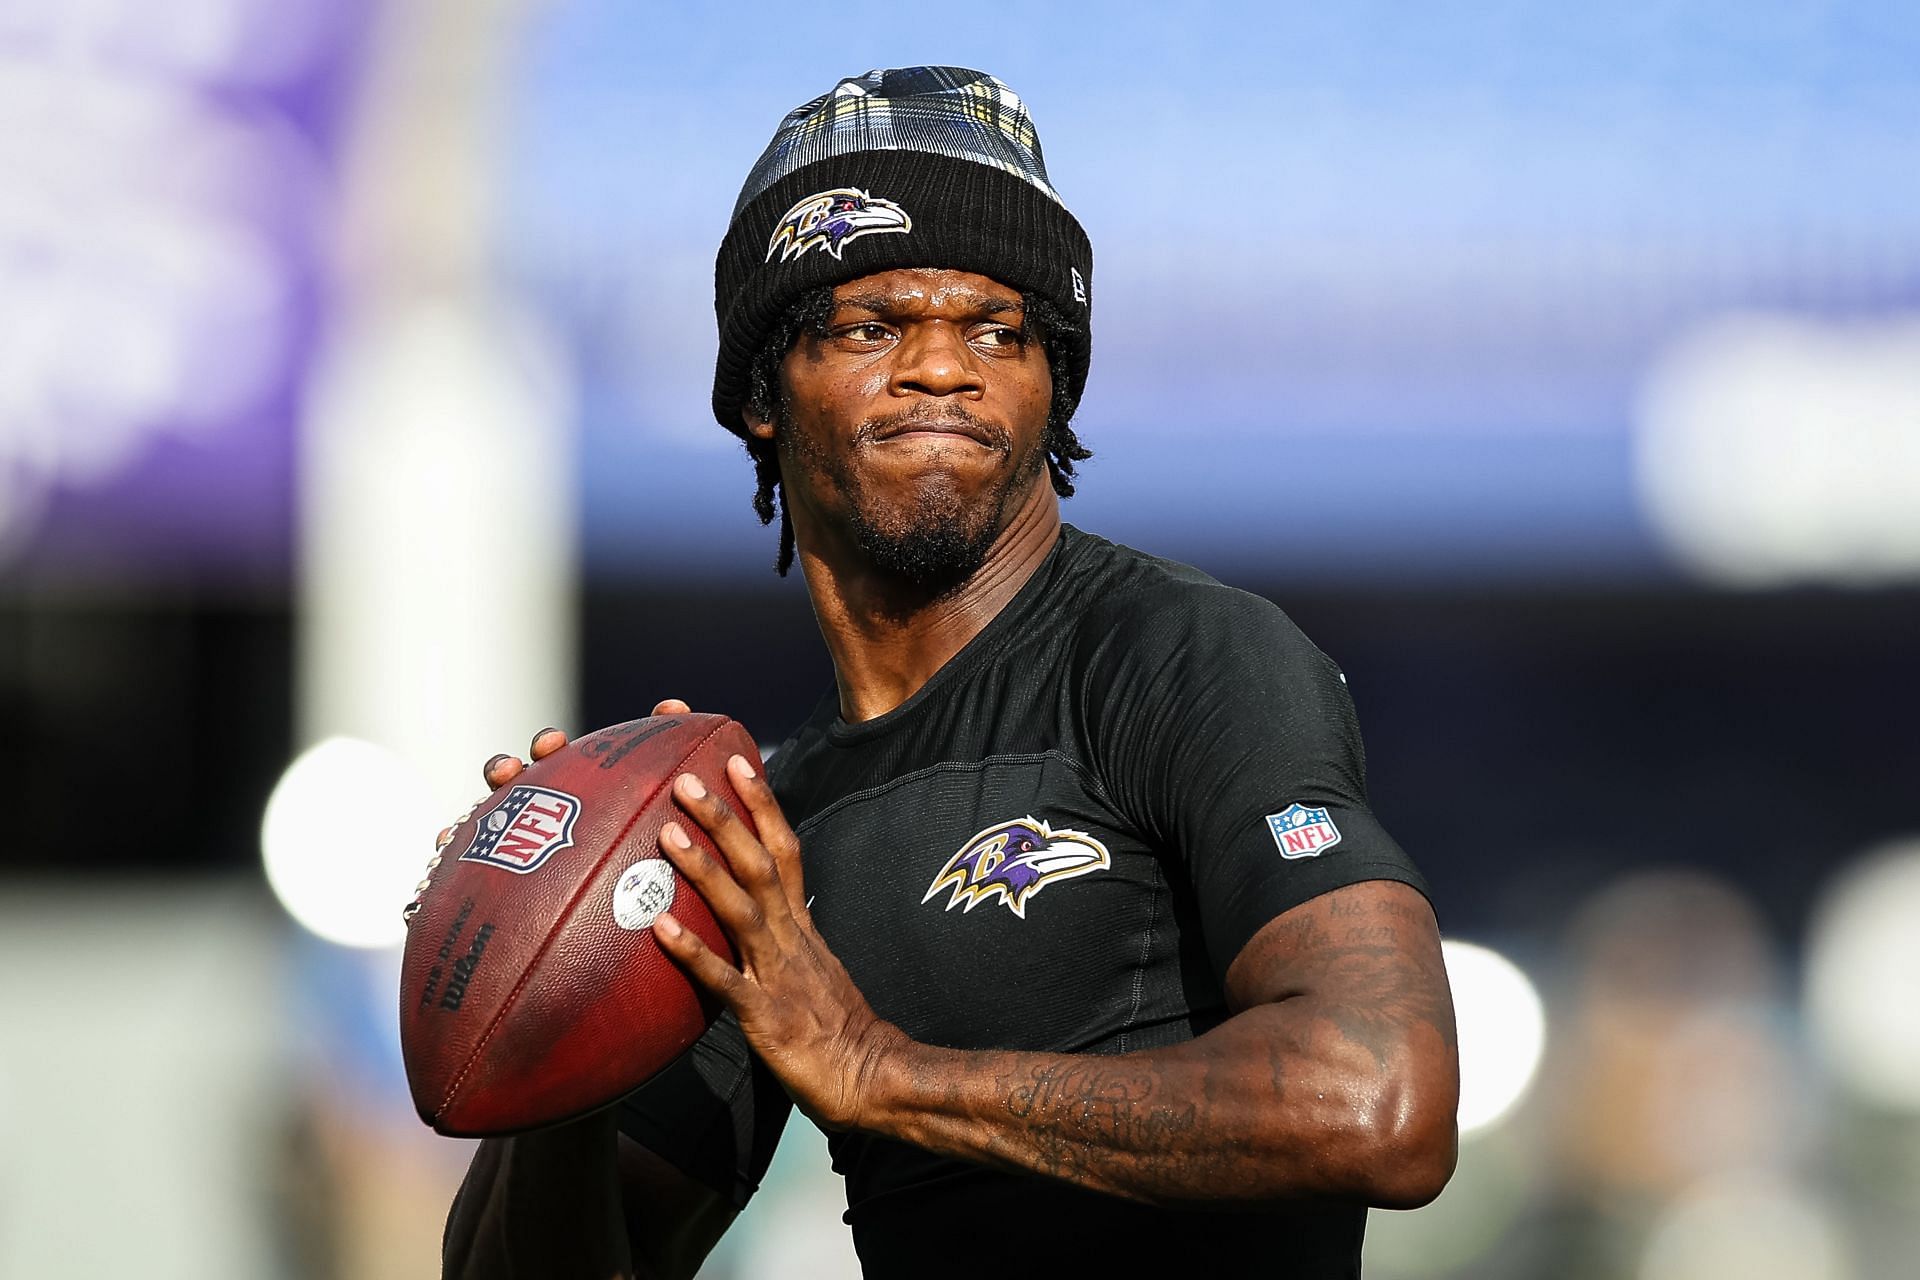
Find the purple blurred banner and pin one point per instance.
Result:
(172, 175)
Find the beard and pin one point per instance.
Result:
(931, 540)
(933, 547)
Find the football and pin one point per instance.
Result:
(531, 987)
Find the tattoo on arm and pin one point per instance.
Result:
(1377, 991)
(1380, 978)
(1340, 997)
(1381, 1001)
(1082, 1114)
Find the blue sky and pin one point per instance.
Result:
(1376, 285)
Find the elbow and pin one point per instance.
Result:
(1415, 1145)
(1413, 1173)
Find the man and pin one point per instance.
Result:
(1065, 915)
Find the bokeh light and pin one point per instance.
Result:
(1756, 1228)
(1503, 1030)
(345, 837)
(1780, 449)
(1863, 976)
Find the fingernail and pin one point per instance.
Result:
(666, 924)
(693, 787)
(489, 766)
(543, 733)
(746, 770)
(674, 836)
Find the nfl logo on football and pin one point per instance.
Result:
(524, 830)
(1302, 832)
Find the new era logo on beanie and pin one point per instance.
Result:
(916, 167)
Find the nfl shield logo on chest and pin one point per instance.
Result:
(1303, 832)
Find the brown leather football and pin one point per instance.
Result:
(532, 989)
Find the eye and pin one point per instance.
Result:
(864, 331)
(1004, 337)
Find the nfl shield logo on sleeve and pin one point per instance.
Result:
(1302, 832)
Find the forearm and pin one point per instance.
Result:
(1338, 1077)
(1274, 1103)
(541, 1204)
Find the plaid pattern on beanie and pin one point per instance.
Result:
(916, 167)
(945, 111)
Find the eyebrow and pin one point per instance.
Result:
(979, 304)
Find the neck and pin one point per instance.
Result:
(885, 643)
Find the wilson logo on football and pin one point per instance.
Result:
(525, 829)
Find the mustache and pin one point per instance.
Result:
(955, 418)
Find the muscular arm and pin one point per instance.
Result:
(546, 1200)
(578, 1200)
(1336, 1077)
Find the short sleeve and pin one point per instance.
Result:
(715, 1113)
(1232, 740)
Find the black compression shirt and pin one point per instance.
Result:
(1058, 844)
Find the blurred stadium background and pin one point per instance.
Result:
(1557, 367)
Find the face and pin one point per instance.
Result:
(915, 427)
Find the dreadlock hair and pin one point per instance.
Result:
(767, 398)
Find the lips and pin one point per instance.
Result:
(978, 432)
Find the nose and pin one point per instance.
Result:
(933, 359)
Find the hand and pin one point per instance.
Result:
(795, 1001)
(498, 772)
(503, 768)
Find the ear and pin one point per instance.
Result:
(758, 427)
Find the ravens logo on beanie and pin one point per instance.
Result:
(914, 167)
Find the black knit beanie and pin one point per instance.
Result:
(916, 167)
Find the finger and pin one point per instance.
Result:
(731, 905)
(700, 961)
(671, 707)
(747, 858)
(775, 832)
(546, 742)
(501, 770)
